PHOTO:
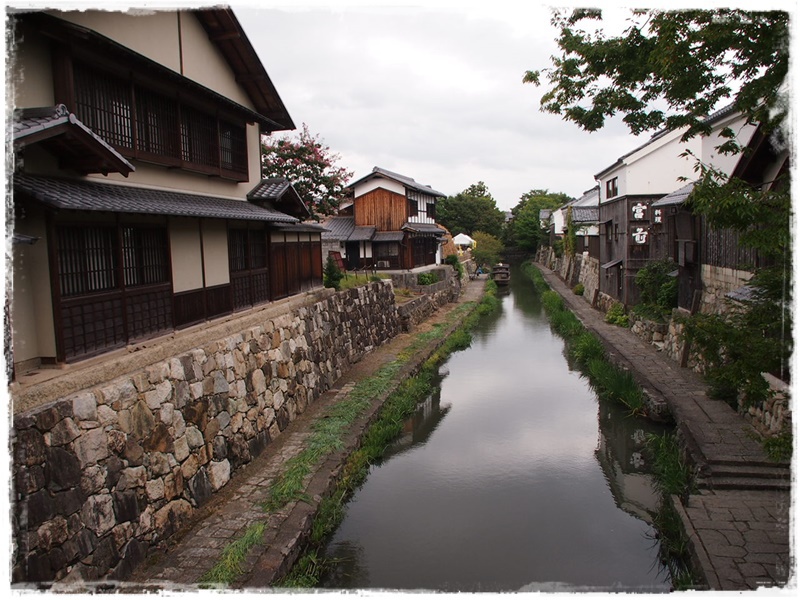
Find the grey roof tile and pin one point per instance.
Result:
(338, 228)
(406, 181)
(92, 196)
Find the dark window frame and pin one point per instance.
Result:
(612, 187)
(158, 125)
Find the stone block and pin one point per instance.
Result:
(219, 473)
(29, 447)
(98, 514)
(84, 406)
(62, 470)
(91, 447)
(63, 432)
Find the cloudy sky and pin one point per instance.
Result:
(432, 92)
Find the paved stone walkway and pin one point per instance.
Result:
(739, 524)
(225, 518)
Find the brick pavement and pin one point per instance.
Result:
(738, 525)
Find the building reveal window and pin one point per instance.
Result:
(157, 127)
(87, 260)
(144, 252)
(114, 286)
(247, 258)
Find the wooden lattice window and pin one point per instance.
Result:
(155, 126)
(237, 250)
(198, 138)
(86, 260)
(232, 147)
(104, 105)
(145, 256)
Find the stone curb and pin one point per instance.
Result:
(287, 529)
(286, 545)
(702, 563)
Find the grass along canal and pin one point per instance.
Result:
(512, 475)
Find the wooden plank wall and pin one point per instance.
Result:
(382, 209)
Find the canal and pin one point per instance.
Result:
(511, 476)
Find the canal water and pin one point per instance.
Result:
(512, 476)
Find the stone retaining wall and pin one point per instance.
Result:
(718, 281)
(774, 416)
(105, 473)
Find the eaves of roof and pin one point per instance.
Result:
(408, 182)
(61, 133)
(96, 44)
(709, 120)
(225, 31)
(279, 191)
(85, 195)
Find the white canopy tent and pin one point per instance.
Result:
(462, 239)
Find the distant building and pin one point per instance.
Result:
(392, 224)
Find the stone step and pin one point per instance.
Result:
(748, 470)
(750, 462)
(743, 483)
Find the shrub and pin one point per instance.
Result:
(656, 286)
(616, 315)
(332, 275)
(428, 278)
(452, 260)
(578, 290)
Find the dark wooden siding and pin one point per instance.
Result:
(382, 209)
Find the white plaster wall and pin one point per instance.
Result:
(659, 171)
(32, 328)
(215, 252)
(187, 264)
(153, 34)
(621, 174)
(726, 162)
(202, 62)
(379, 182)
(177, 41)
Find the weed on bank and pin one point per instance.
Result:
(328, 435)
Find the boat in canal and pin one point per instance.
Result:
(501, 274)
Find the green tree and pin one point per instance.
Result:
(668, 68)
(469, 211)
(672, 69)
(487, 248)
(525, 230)
(310, 166)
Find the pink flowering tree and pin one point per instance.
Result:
(308, 163)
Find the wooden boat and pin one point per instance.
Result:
(501, 274)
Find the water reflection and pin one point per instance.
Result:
(511, 477)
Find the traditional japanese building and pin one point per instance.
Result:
(138, 202)
(390, 225)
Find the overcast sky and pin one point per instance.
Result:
(431, 89)
(434, 93)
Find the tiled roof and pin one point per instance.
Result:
(269, 189)
(406, 181)
(62, 133)
(338, 228)
(585, 214)
(279, 191)
(679, 196)
(423, 228)
(388, 236)
(361, 234)
(88, 195)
